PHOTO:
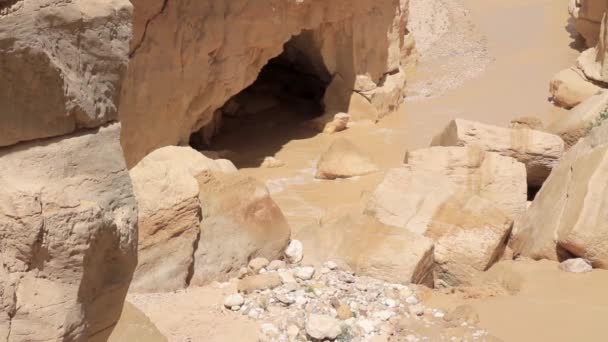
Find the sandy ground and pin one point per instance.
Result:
(486, 60)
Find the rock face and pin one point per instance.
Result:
(363, 41)
(68, 222)
(240, 222)
(343, 160)
(539, 151)
(169, 216)
(580, 119)
(588, 17)
(372, 248)
(62, 65)
(570, 87)
(568, 216)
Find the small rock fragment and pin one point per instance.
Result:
(344, 312)
(322, 327)
(294, 252)
(234, 300)
(257, 264)
(576, 266)
(305, 273)
(276, 265)
(416, 310)
(259, 282)
(272, 163)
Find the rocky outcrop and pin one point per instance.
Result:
(568, 216)
(182, 69)
(240, 222)
(61, 65)
(570, 87)
(581, 119)
(588, 18)
(539, 151)
(343, 160)
(68, 223)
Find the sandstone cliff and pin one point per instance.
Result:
(188, 58)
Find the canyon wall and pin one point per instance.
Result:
(189, 57)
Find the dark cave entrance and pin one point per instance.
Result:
(287, 93)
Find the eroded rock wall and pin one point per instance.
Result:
(189, 57)
(68, 216)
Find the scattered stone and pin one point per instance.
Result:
(294, 252)
(276, 265)
(243, 272)
(269, 330)
(293, 331)
(234, 300)
(570, 87)
(285, 299)
(259, 282)
(305, 273)
(344, 312)
(257, 264)
(366, 325)
(287, 277)
(331, 265)
(411, 300)
(272, 163)
(338, 124)
(322, 327)
(576, 266)
(383, 315)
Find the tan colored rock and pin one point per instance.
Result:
(570, 87)
(499, 179)
(259, 282)
(135, 326)
(470, 235)
(588, 18)
(529, 122)
(539, 151)
(272, 163)
(371, 248)
(338, 124)
(169, 216)
(568, 216)
(240, 222)
(580, 119)
(469, 232)
(162, 107)
(343, 160)
(62, 66)
(68, 221)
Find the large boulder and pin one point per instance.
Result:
(356, 39)
(499, 179)
(167, 192)
(240, 222)
(539, 151)
(570, 87)
(343, 160)
(581, 119)
(371, 248)
(68, 221)
(61, 65)
(469, 231)
(568, 217)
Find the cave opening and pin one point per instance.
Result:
(259, 120)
